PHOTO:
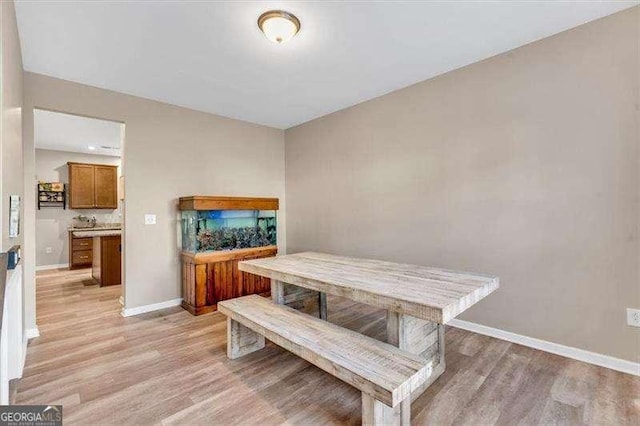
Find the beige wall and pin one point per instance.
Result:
(168, 152)
(11, 127)
(524, 165)
(52, 223)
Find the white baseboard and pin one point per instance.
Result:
(121, 301)
(128, 312)
(31, 333)
(606, 361)
(47, 267)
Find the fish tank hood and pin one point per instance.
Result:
(213, 224)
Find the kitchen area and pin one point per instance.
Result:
(98, 247)
(80, 196)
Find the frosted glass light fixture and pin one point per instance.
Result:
(279, 26)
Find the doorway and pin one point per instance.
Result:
(79, 213)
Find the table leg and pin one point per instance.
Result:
(308, 301)
(322, 305)
(421, 337)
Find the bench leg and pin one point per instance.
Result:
(241, 340)
(376, 413)
(421, 337)
(308, 301)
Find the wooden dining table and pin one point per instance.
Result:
(418, 300)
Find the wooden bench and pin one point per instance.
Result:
(385, 374)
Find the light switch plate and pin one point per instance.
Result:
(633, 317)
(149, 219)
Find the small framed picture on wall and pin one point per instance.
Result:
(14, 216)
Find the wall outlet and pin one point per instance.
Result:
(633, 317)
(48, 250)
(149, 219)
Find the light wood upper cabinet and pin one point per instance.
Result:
(93, 186)
(106, 193)
(82, 186)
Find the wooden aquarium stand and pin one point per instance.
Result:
(210, 277)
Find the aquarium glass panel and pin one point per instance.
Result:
(189, 221)
(213, 230)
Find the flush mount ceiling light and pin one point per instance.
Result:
(279, 26)
(91, 148)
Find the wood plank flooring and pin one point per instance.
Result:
(168, 367)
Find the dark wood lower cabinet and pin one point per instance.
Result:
(208, 278)
(80, 252)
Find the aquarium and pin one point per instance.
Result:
(214, 230)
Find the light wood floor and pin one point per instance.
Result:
(170, 367)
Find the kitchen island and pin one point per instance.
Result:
(81, 245)
(106, 261)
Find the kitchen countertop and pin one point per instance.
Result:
(95, 228)
(96, 232)
(99, 230)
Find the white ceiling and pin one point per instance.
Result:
(65, 132)
(210, 56)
